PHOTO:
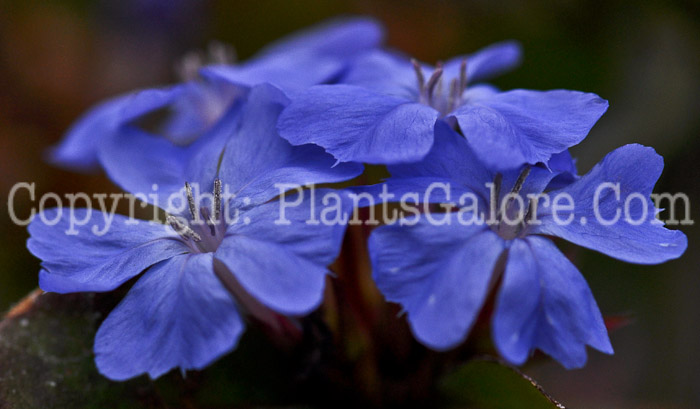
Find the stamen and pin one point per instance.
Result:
(462, 76)
(419, 75)
(181, 229)
(188, 67)
(436, 95)
(495, 195)
(206, 214)
(220, 53)
(531, 212)
(497, 181)
(432, 82)
(515, 190)
(190, 200)
(217, 199)
(453, 99)
(521, 179)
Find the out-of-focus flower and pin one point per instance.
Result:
(317, 55)
(183, 112)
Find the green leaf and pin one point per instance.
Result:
(487, 383)
(46, 361)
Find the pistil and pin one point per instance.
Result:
(503, 224)
(193, 231)
(431, 93)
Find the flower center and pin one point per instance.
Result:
(205, 229)
(509, 216)
(432, 92)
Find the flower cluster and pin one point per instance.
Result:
(311, 109)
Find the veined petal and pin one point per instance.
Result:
(602, 221)
(516, 127)
(451, 158)
(544, 303)
(291, 72)
(340, 37)
(355, 124)
(439, 275)
(198, 106)
(178, 315)
(310, 57)
(384, 73)
(256, 158)
(138, 160)
(87, 262)
(486, 63)
(78, 149)
(280, 258)
(565, 165)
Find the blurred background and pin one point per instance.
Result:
(59, 58)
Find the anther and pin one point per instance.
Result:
(462, 76)
(454, 97)
(531, 212)
(217, 199)
(516, 188)
(521, 179)
(190, 201)
(497, 181)
(220, 53)
(182, 229)
(432, 81)
(419, 75)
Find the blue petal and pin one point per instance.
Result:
(521, 126)
(359, 125)
(199, 106)
(138, 160)
(88, 262)
(385, 73)
(439, 275)
(78, 149)
(636, 168)
(291, 72)
(341, 37)
(177, 315)
(310, 57)
(545, 303)
(256, 158)
(284, 266)
(563, 164)
(450, 160)
(486, 63)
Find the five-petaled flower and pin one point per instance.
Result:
(442, 274)
(181, 312)
(187, 110)
(309, 110)
(385, 110)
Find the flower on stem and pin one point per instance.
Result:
(386, 107)
(187, 110)
(442, 273)
(202, 270)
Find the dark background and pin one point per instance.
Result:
(58, 58)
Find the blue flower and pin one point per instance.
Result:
(312, 57)
(442, 274)
(181, 312)
(386, 109)
(317, 55)
(193, 108)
